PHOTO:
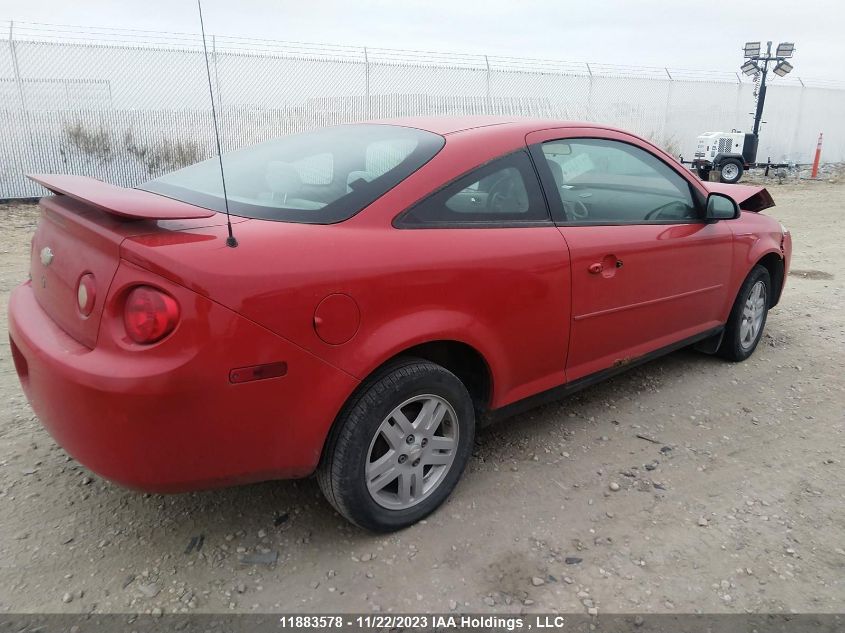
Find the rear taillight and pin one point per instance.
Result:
(86, 294)
(149, 314)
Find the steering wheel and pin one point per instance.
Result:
(656, 212)
(500, 193)
(576, 209)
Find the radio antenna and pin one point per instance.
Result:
(230, 241)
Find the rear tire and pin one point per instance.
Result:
(748, 316)
(399, 446)
(731, 170)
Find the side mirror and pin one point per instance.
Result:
(721, 207)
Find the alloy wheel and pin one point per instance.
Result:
(752, 315)
(411, 452)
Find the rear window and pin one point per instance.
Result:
(318, 177)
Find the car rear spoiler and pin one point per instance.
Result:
(748, 197)
(128, 203)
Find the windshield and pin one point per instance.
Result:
(317, 177)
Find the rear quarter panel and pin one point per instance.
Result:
(504, 292)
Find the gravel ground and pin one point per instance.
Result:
(734, 503)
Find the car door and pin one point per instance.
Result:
(647, 270)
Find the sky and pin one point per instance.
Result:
(677, 34)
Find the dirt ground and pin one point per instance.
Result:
(736, 502)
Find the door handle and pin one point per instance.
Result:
(610, 261)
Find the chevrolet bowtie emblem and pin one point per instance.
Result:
(46, 255)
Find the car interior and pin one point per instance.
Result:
(320, 176)
(501, 192)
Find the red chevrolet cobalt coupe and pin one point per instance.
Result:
(394, 285)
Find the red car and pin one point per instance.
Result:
(393, 286)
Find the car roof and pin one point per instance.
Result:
(445, 125)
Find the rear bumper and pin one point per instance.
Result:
(166, 418)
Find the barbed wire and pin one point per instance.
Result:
(175, 40)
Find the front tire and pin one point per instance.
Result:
(748, 316)
(399, 446)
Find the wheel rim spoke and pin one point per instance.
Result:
(382, 481)
(402, 421)
(417, 483)
(404, 493)
(441, 443)
(430, 416)
(438, 459)
(411, 486)
(381, 465)
(393, 435)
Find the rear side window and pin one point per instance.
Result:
(318, 177)
(504, 192)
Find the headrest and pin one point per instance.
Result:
(282, 178)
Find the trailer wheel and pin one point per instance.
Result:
(731, 170)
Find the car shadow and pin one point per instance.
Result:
(569, 410)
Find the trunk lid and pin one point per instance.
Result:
(80, 232)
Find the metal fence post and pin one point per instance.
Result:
(667, 113)
(367, 82)
(15, 68)
(798, 112)
(489, 98)
(26, 162)
(216, 75)
(738, 105)
(589, 116)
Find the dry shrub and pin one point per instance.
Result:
(668, 143)
(163, 156)
(94, 144)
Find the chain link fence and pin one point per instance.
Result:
(125, 106)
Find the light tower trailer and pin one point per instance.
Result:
(732, 153)
(729, 154)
